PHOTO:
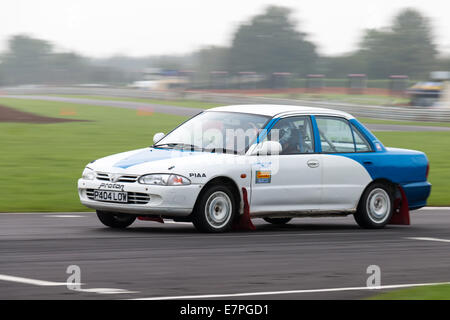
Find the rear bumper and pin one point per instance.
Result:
(417, 194)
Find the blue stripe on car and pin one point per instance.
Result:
(267, 129)
(317, 143)
(374, 142)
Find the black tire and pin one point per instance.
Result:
(216, 210)
(376, 207)
(277, 221)
(115, 220)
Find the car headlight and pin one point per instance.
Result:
(88, 174)
(164, 179)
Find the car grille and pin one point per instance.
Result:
(125, 178)
(133, 197)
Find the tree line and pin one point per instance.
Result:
(35, 61)
(269, 42)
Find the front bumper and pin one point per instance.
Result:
(166, 201)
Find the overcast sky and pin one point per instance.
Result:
(146, 27)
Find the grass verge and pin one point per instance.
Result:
(208, 105)
(437, 292)
(42, 163)
(405, 123)
(177, 103)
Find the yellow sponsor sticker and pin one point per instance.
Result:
(263, 176)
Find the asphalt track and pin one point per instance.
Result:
(152, 260)
(184, 111)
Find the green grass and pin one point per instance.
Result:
(208, 105)
(41, 163)
(404, 123)
(349, 98)
(437, 292)
(177, 103)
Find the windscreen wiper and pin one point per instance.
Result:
(162, 145)
(222, 150)
(182, 145)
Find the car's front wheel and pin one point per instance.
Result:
(115, 220)
(215, 210)
(376, 207)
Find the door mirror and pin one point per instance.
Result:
(158, 136)
(267, 148)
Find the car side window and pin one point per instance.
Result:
(335, 135)
(361, 143)
(294, 134)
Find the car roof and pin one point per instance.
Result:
(279, 110)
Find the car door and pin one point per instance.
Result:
(290, 181)
(343, 178)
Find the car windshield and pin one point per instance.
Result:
(224, 132)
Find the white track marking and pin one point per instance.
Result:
(268, 293)
(435, 208)
(35, 282)
(43, 283)
(428, 239)
(63, 216)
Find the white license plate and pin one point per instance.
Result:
(110, 196)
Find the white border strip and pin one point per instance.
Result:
(269, 293)
(428, 239)
(43, 283)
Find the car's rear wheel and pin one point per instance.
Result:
(216, 210)
(115, 220)
(376, 207)
(277, 221)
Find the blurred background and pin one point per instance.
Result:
(293, 49)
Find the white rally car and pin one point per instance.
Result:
(229, 164)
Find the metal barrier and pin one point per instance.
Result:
(379, 112)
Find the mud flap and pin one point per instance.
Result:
(401, 209)
(244, 222)
(160, 220)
